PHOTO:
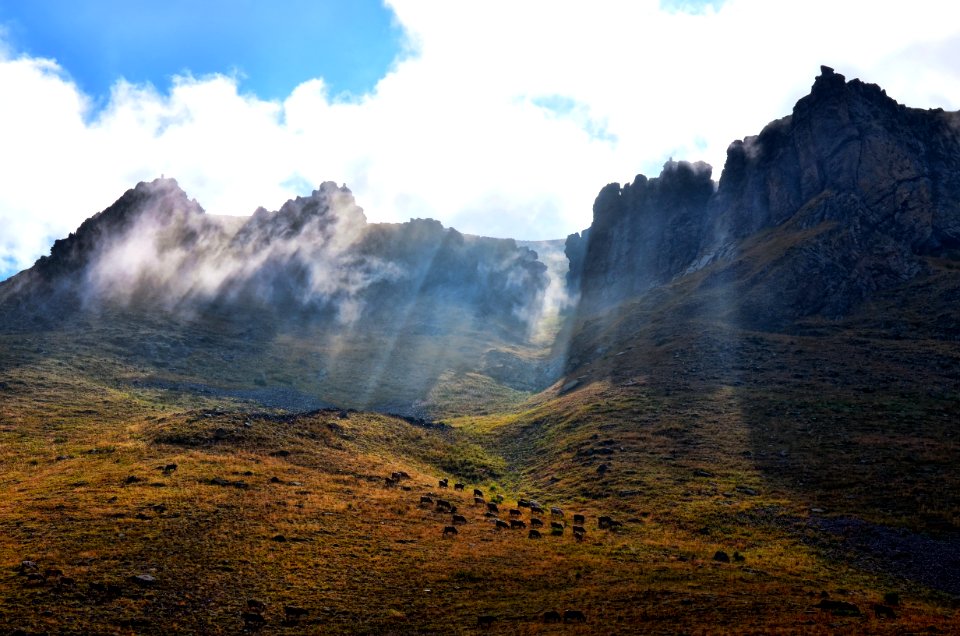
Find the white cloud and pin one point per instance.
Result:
(506, 119)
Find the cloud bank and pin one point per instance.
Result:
(502, 119)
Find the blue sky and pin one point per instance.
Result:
(272, 46)
(496, 117)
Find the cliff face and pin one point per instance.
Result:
(825, 207)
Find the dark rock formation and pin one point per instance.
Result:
(316, 258)
(642, 234)
(822, 209)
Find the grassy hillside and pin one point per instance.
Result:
(294, 510)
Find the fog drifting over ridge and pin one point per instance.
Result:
(314, 261)
(496, 127)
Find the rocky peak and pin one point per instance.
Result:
(875, 185)
(643, 232)
(162, 201)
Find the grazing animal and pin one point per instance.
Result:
(516, 523)
(501, 524)
(443, 504)
(523, 503)
(579, 529)
(390, 482)
(536, 523)
(253, 619)
(478, 501)
(425, 500)
(571, 616)
(614, 524)
(66, 581)
(492, 507)
(490, 514)
(447, 530)
(294, 612)
(404, 475)
(395, 476)
(556, 525)
(443, 483)
(604, 521)
(458, 519)
(556, 512)
(485, 621)
(578, 536)
(536, 509)
(169, 468)
(579, 519)
(458, 486)
(452, 509)
(552, 616)
(515, 513)
(256, 605)
(534, 534)
(477, 492)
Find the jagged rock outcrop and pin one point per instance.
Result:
(643, 233)
(316, 258)
(844, 197)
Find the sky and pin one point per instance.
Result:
(497, 118)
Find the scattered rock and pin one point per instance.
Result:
(144, 580)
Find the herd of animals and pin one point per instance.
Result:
(492, 509)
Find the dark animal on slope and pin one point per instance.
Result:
(449, 530)
(604, 521)
(478, 501)
(536, 523)
(390, 482)
(556, 525)
(515, 513)
(536, 509)
(523, 503)
(458, 486)
(501, 524)
(574, 616)
(443, 483)
(253, 620)
(477, 492)
(490, 514)
(425, 500)
(578, 536)
(443, 504)
(552, 616)
(580, 529)
(614, 524)
(395, 476)
(556, 512)
(459, 519)
(485, 621)
(256, 605)
(534, 534)
(492, 507)
(579, 519)
(294, 613)
(516, 523)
